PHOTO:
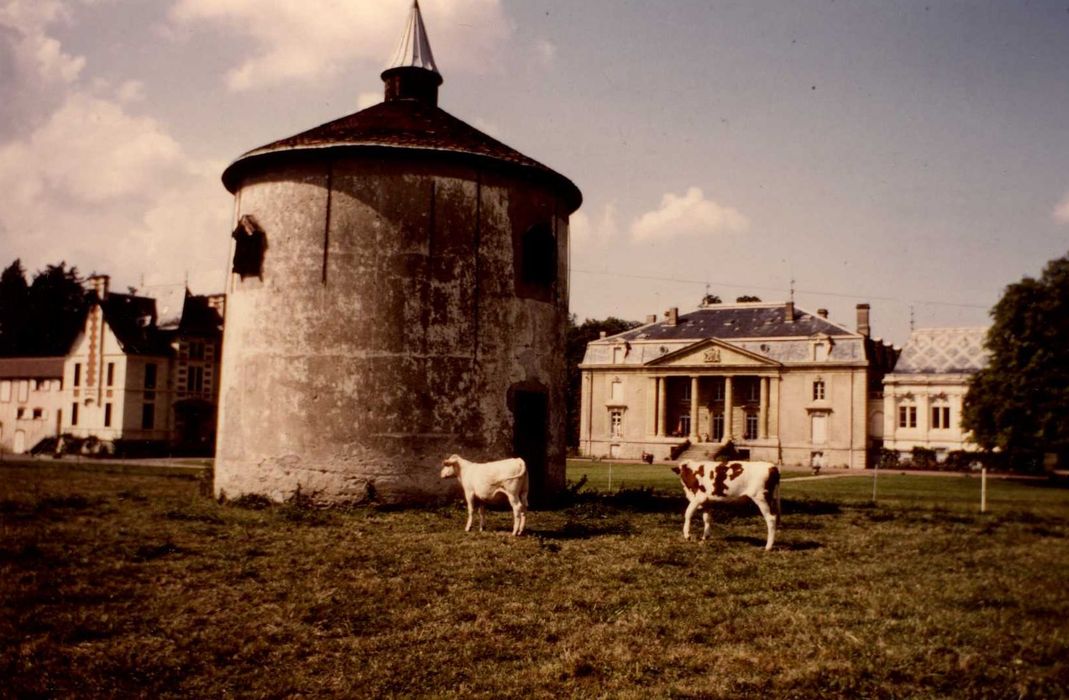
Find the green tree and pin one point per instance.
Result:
(58, 303)
(1019, 402)
(14, 308)
(577, 339)
(43, 317)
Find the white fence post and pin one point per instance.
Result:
(875, 473)
(610, 477)
(983, 490)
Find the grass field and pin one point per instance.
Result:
(120, 584)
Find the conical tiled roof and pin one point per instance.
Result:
(409, 120)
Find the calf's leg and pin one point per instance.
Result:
(470, 498)
(519, 514)
(707, 518)
(770, 520)
(693, 506)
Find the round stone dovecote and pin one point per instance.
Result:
(399, 293)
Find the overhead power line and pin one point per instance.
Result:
(748, 286)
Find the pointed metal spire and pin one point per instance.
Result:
(414, 50)
(412, 75)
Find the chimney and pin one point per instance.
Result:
(788, 312)
(652, 318)
(823, 313)
(218, 302)
(863, 320)
(672, 315)
(99, 285)
(601, 334)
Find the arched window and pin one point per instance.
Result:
(538, 256)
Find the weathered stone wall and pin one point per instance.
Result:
(386, 331)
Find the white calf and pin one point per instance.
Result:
(481, 482)
(708, 482)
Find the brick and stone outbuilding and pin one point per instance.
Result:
(399, 293)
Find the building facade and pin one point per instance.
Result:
(781, 384)
(399, 293)
(31, 400)
(924, 394)
(130, 377)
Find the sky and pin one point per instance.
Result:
(913, 155)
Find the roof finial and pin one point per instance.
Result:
(414, 49)
(412, 73)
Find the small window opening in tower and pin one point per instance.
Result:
(539, 256)
(250, 243)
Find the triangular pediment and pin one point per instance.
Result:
(712, 353)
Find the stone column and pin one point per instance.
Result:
(651, 405)
(762, 416)
(661, 401)
(728, 409)
(693, 409)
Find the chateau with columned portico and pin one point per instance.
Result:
(781, 384)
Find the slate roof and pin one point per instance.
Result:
(133, 321)
(31, 367)
(943, 351)
(742, 321)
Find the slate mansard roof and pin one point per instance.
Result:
(760, 329)
(943, 351)
(742, 321)
(135, 323)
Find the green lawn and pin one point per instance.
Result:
(955, 491)
(117, 585)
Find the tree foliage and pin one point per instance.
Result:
(1019, 403)
(747, 298)
(42, 317)
(577, 339)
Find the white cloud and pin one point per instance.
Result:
(368, 99)
(315, 39)
(91, 150)
(131, 91)
(111, 191)
(1061, 212)
(37, 53)
(546, 51)
(688, 215)
(588, 235)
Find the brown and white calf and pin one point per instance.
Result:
(708, 482)
(484, 481)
